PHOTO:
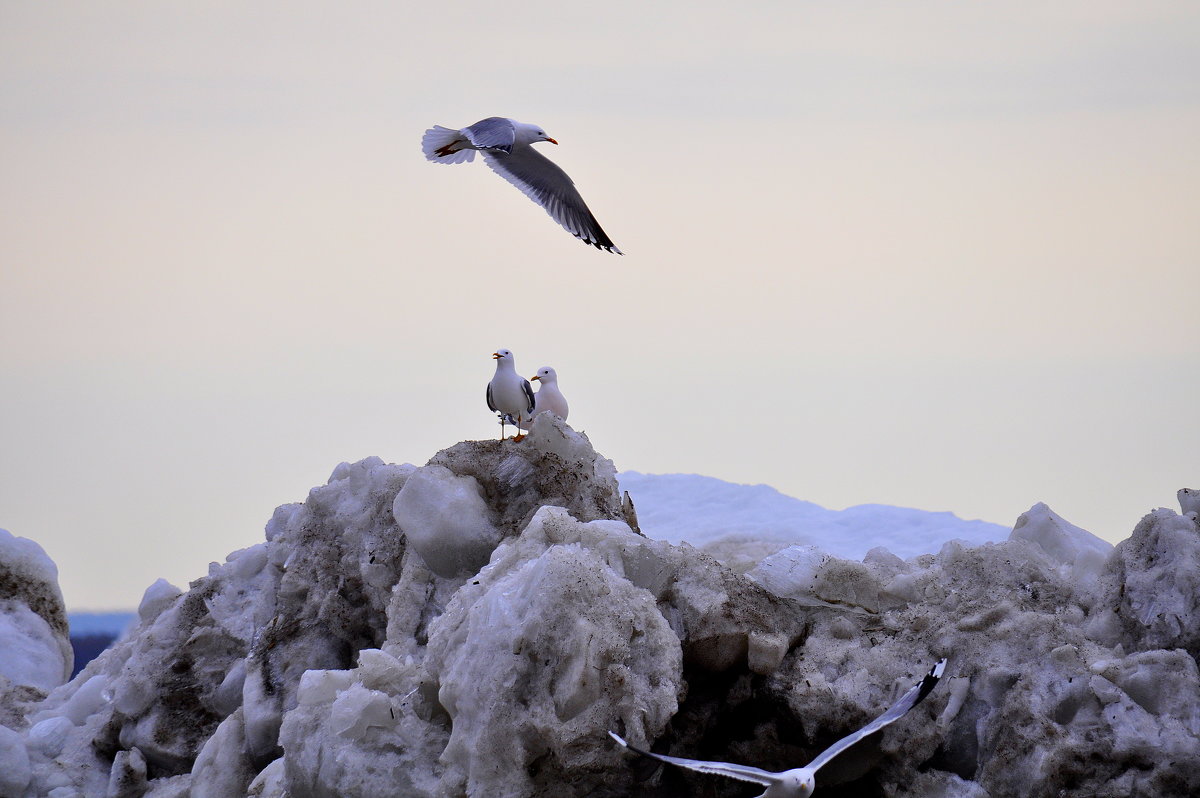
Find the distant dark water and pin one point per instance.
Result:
(92, 632)
(88, 647)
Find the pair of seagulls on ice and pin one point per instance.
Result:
(506, 147)
(800, 782)
(512, 397)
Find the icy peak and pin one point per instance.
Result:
(1081, 554)
(458, 507)
(33, 620)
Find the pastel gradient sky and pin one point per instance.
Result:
(934, 254)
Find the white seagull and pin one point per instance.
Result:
(505, 144)
(509, 394)
(800, 782)
(548, 399)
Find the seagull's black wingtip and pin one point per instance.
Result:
(931, 679)
(606, 246)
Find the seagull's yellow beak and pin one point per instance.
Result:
(534, 377)
(495, 355)
(552, 141)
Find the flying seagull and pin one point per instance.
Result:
(509, 394)
(800, 782)
(505, 144)
(548, 399)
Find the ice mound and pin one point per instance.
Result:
(1152, 583)
(446, 521)
(1189, 502)
(475, 625)
(455, 510)
(572, 626)
(1037, 685)
(1080, 554)
(35, 651)
(34, 638)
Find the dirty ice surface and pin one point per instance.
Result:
(474, 626)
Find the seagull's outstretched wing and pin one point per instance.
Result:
(740, 772)
(545, 183)
(493, 133)
(907, 701)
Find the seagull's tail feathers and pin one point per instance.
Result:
(443, 145)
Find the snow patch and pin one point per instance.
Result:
(727, 519)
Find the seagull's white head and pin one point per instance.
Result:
(503, 354)
(546, 375)
(796, 783)
(531, 134)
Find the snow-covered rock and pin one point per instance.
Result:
(35, 647)
(1080, 554)
(1189, 502)
(474, 627)
(128, 776)
(1153, 584)
(446, 521)
(15, 769)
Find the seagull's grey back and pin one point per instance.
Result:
(495, 132)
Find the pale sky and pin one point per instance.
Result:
(938, 254)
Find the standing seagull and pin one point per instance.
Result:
(800, 782)
(509, 394)
(548, 399)
(505, 144)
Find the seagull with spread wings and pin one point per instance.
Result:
(505, 144)
(800, 782)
